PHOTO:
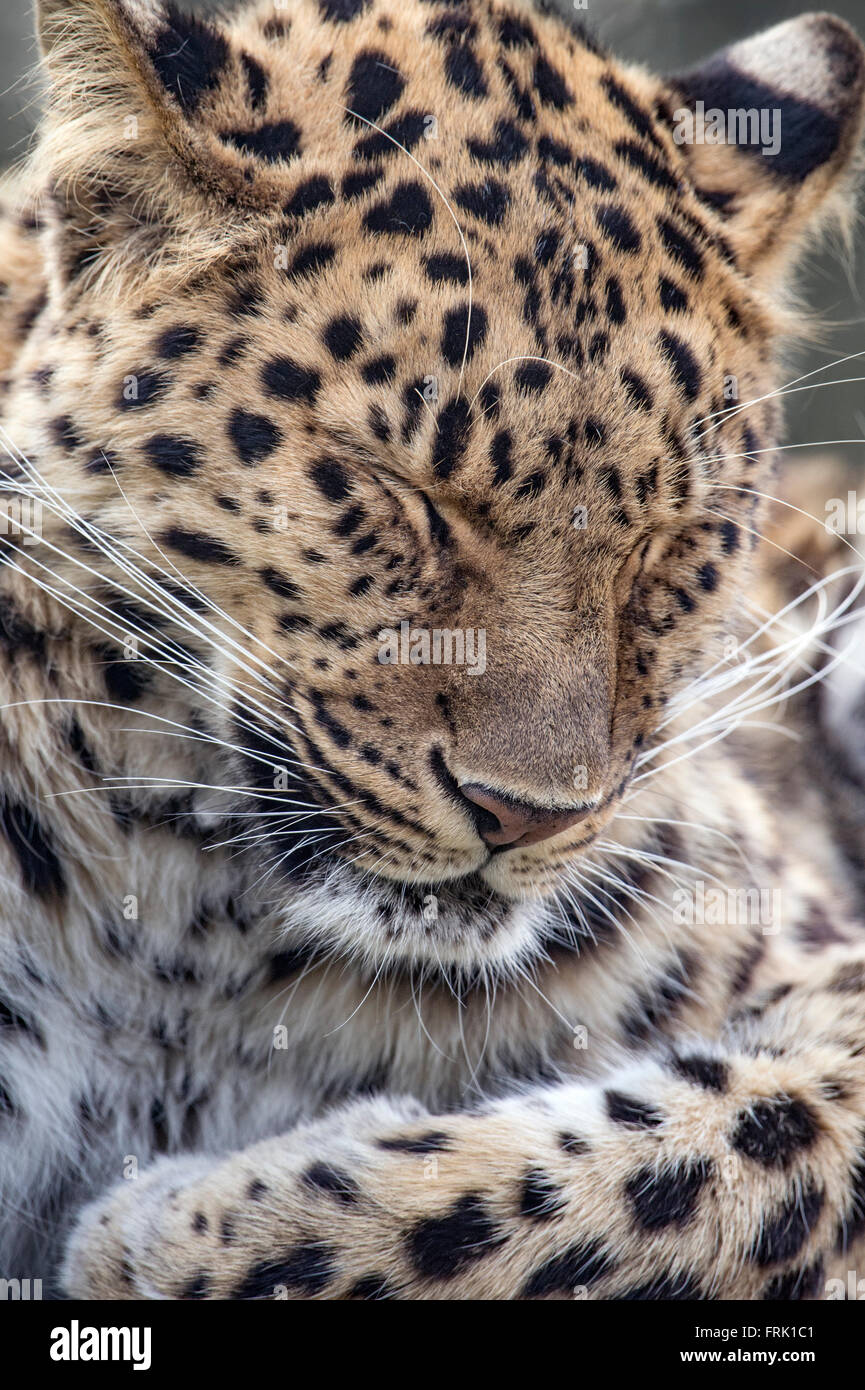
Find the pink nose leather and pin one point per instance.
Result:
(518, 823)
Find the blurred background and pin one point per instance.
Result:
(667, 35)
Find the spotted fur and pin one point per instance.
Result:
(322, 319)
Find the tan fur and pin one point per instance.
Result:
(316, 505)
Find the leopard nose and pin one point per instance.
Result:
(504, 820)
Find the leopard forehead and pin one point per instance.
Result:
(453, 245)
(472, 255)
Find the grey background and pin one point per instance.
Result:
(667, 35)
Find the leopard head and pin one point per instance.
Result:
(427, 356)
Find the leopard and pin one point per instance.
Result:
(430, 813)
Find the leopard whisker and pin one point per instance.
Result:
(195, 735)
(712, 511)
(805, 376)
(81, 610)
(523, 974)
(417, 1000)
(688, 825)
(780, 448)
(782, 502)
(776, 660)
(572, 875)
(776, 672)
(660, 861)
(360, 1005)
(822, 646)
(779, 394)
(638, 895)
(187, 583)
(86, 605)
(94, 536)
(283, 825)
(624, 889)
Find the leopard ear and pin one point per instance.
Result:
(138, 178)
(769, 129)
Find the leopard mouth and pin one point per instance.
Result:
(502, 872)
(507, 872)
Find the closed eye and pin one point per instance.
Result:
(641, 560)
(629, 573)
(440, 532)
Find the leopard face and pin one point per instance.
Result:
(410, 331)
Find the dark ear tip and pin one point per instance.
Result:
(843, 53)
(832, 29)
(844, 50)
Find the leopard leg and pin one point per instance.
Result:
(726, 1169)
